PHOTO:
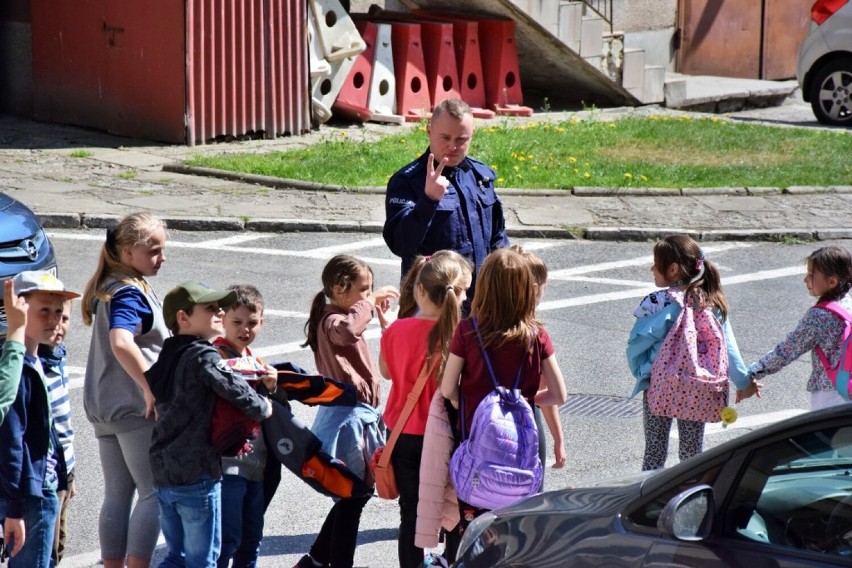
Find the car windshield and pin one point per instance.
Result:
(797, 493)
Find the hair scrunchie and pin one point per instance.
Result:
(699, 266)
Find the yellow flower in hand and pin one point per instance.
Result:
(728, 415)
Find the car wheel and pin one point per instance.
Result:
(831, 92)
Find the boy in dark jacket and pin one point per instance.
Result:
(186, 379)
(31, 462)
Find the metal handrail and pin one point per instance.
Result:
(602, 8)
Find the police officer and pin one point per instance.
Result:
(444, 199)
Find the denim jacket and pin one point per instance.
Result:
(28, 444)
(647, 336)
(351, 434)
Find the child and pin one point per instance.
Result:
(339, 316)
(503, 307)
(680, 267)
(407, 346)
(52, 356)
(186, 379)
(242, 480)
(12, 360)
(128, 334)
(32, 467)
(549, 411)
(829, 279)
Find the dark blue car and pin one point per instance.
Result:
(780, 496)
(23, 245)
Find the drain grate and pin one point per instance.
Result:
(601, 406)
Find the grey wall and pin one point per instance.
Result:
(362, 6)
(643, 15)
(15, 68)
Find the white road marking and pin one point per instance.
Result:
(574, 273)
(346, 247)
(639, 292)
(319, 254)
(541, 245)
(613, 281)
(764, 275)
(294, 346)
(645, 260)
(286, 314)
(749, 421)
(236, 239)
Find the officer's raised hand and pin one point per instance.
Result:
(436, 183)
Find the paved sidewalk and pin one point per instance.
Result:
(120, 175)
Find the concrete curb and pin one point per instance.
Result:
(579, 191)
(592, 233)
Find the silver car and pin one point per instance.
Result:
(824, 68)
(778, 497)
(23, 246)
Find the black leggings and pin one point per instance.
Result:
(335, 543)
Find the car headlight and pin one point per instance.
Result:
(470, 538)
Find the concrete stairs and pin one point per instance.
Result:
(586, 33)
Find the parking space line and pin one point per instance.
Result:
(749, 421)
(644, 260)
(234, 240)
(613, 281)
(541, 245)
(639, 292)
(318, 254)
(286, 314)
(346, 247)
(296, 346)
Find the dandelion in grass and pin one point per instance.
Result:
(587, 175)
(500, 180)
(612, 125)
(572, 160)
(516, 168)
(643, 178)
(628, 175)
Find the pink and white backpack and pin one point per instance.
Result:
(689, 376)
(840, 376)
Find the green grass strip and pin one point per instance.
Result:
(657, 151)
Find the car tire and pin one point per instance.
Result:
(831, 92)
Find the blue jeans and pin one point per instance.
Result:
(191, 521)
(242, 521)
(39, 523)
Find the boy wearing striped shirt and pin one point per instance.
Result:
(53, 361)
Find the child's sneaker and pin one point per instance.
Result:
(307, 561)
(434, 559)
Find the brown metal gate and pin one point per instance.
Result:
(748, 39)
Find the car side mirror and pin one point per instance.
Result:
(689, 514)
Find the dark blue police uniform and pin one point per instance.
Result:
(468, 219)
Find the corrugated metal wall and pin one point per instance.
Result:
(186, 72)
(247, 68)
